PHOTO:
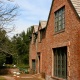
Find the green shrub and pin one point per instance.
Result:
(2, 59)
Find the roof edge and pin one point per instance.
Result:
(74, 8)
(49, 13)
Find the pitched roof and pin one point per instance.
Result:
(35, 29)
(43, 24)
(76, 5)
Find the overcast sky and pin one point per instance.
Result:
(30, 13)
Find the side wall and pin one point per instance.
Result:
(67, 38)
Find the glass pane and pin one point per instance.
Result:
(60, 18)
(63, 10)
(63, 15)
(60, 12)
(63, 25)
(58, 72)
(56, 19)
(60, 22)
(59, 27)
(57, 14)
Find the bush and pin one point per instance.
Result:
(2, 59)
(23, 68)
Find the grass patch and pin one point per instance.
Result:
(2, 78)
(23, 68)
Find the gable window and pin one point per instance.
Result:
(42, 34)
(60, 62)
(59, 20)
(34, 37)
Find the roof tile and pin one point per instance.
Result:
(35, 29)
(43, 24)
(76, 4)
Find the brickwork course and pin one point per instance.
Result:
(43, 48)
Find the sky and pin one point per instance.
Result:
(30, 13)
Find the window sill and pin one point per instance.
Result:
(39, 41)
(56, 78)
(58, 32)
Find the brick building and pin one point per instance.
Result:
(32, 50)
(57, 43)
(36, 45)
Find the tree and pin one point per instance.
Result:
(22, 46)
(4, 48)
(7, 14)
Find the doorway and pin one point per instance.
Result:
(38, 54)
(33, 65)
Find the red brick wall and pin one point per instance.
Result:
(70, 38)
(41, 49)
(67, 38)
(32, 53)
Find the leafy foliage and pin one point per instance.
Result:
(21, 46)
(2, 58)
(7, 15)
(4, 46)
(18, 46)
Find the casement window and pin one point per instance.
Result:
(60, 62)
(59, 19)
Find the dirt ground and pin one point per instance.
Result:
(23, 77)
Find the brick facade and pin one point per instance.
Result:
(70, 38)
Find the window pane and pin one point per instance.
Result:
(56, 15)
(59, 27)
(62, 15)
(60, 12)
(56, 19)
(60, 18)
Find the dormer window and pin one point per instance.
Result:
(59, 20)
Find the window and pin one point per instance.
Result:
(34, 37)
(42, 34)
(59, 20)
(33, 64)
(60, 62)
